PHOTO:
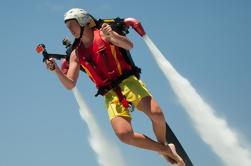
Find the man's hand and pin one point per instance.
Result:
(51, 64)
(114, 38)
(106, 29)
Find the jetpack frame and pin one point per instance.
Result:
(120, 25)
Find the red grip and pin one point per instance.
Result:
(39, 48)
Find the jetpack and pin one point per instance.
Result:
(121, 26)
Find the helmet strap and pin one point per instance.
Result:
(81, 31)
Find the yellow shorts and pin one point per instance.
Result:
(133, 89)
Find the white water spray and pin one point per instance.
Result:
(213, 130)
(107, 153)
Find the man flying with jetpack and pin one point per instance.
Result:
(99, 52)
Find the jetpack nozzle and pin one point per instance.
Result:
(136, 25)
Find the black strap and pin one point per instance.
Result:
(81, 32)
(114, 83)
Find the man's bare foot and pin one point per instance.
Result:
(178, 159)
(172, 156)
(168, 159)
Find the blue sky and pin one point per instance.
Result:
(208, 42)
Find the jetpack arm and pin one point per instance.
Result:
(42, 50)
(117, 24)
(120, 25)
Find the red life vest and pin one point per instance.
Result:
(102, 61)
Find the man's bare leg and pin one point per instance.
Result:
(123, 129)
(151, 108)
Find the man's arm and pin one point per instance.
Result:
(70, 79)
(114, 38)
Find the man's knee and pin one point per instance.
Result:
(125, 136)
(156, 114)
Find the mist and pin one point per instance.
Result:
(213, 130)
(107, 153)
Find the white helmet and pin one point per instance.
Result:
(80, 15)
